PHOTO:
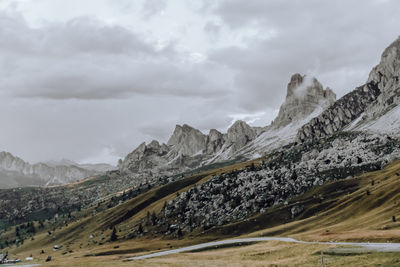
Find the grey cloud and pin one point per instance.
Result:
(86, 59)
(156, 131)
(212, 28)
(153, 7)
(141, 92)
(312, 37)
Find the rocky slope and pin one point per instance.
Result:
(189, 148)
(367, 107)
(289, 172)
(15, 172)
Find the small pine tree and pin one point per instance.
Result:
(17, 234)
(114, 236)
(394, 218)
(153, 218)
(252, 167)
(180, 234)
(31, 228)
(140, 229)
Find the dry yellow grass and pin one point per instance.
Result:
(341, 216)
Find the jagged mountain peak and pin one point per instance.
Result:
(392, 52)
(187, 140)
(182, 132)
(154, 143)
(239, 134)
(214, 132)
(388, 69)
(239, 126)
(366, 108)
(295, 81)
(304, 95)
(386, 76)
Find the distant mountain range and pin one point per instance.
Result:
(15, 172)
(189, 148)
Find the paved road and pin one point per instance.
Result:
(16, 265)
(379, 247)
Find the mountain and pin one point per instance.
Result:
(331, 141)
(315, 154)
(304, 95)
(372, 107)
(15, 172)
(189, 148)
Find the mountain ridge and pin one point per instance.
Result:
(16, 172)
(366, 103)
(189, 147)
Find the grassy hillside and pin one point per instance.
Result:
(359, 208)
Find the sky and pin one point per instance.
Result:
(89, 80)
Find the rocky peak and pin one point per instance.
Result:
(215, 141)
(239, 134)
(389, 66)
(145, 156)
(144, 149)
(140, 149)
(386, 76)
(214, 135)
(11, 163)
(371, 100)
(295, 81)
(304, 95)
(187, 140)
(155, 147)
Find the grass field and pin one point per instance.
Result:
(355, 209)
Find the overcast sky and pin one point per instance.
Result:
(89, 80)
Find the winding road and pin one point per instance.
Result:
(378, 247)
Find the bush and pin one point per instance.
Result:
(114, 236)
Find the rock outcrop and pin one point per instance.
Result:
(215, 141)
(188, 147)
(304, 95)
(340, 114)
(145, 157)
(239, 134)
(367, 102)
(187, 140)
(386, 76)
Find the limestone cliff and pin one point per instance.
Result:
(364, 105)
(304, 95)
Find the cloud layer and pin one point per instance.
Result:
(338, 42)
(90, 81)
(87, 59)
